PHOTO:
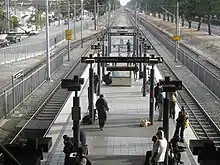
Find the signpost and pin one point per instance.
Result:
(121, 68)
(154, 60)
(121, 34)
(68, 34)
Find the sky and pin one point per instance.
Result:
(124, 2)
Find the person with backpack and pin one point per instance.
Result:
(157, 91)
(80, 158)
(68, 148)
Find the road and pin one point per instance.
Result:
(36, 44)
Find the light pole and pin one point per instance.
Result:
(177, 29)
(68, 29)
(95, 2)
(74, 6)
(81, 23)
(47, 42)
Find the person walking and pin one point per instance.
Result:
(173, 100)
(157, 91)
(181, 124)
(160, 149)
(102, 108)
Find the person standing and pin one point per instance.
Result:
(150, 153)
(128, 44)
(160, 149)
(161, 97)
(102, 108)
(173, 100)
(96, 82)
(181, 124)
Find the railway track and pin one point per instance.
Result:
(200, 121)
(61, 51)
(50, 108)
(53, 104)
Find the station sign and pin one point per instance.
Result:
(121, 34)
(176, 38)
(122, 60)
(122, 68)
(68, 34)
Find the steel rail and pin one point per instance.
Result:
(200, 121)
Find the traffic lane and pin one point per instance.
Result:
(38, 47)
(54, 30)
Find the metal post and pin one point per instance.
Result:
(59, 13)
(103, 55)
(109, 11)
(136, 46)
(13, 90)
(136, 15)
(99, 74)
(109, 43)
(74, 6)
(140, 64)
(8, 14)
(76, 129)
(177, 28)
(91, 85)
(68, 29)
(144, 78)
(82, 23)
(166, 124)
(95, 2)
(15, 6)
(97, 16)
(151, 117)
(47, 42)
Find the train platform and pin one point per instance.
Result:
(123, 141)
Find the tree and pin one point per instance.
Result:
(3, 27)
(14, 22)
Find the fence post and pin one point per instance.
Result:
(6, 103)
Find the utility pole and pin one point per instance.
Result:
(36, 17)
(177, 29)
(8, 15)
(109, 10)
(58, 6)
(82, 23)
(136, 16)
(95, 2)
(98, 16)
(74, 8)
(15, 6)
(47, 42)
(68, 29)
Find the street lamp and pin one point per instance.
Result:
(47, 41)
(82, 23)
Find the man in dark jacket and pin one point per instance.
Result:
(102, 107)
(157, 91)
(107, 78)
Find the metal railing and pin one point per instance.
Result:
(12, 97)
(202, 73)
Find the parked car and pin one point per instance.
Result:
(34, 32)
(13, 38)
(4, 43)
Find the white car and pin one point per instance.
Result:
(34, 32)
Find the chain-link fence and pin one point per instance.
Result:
(15, 95)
